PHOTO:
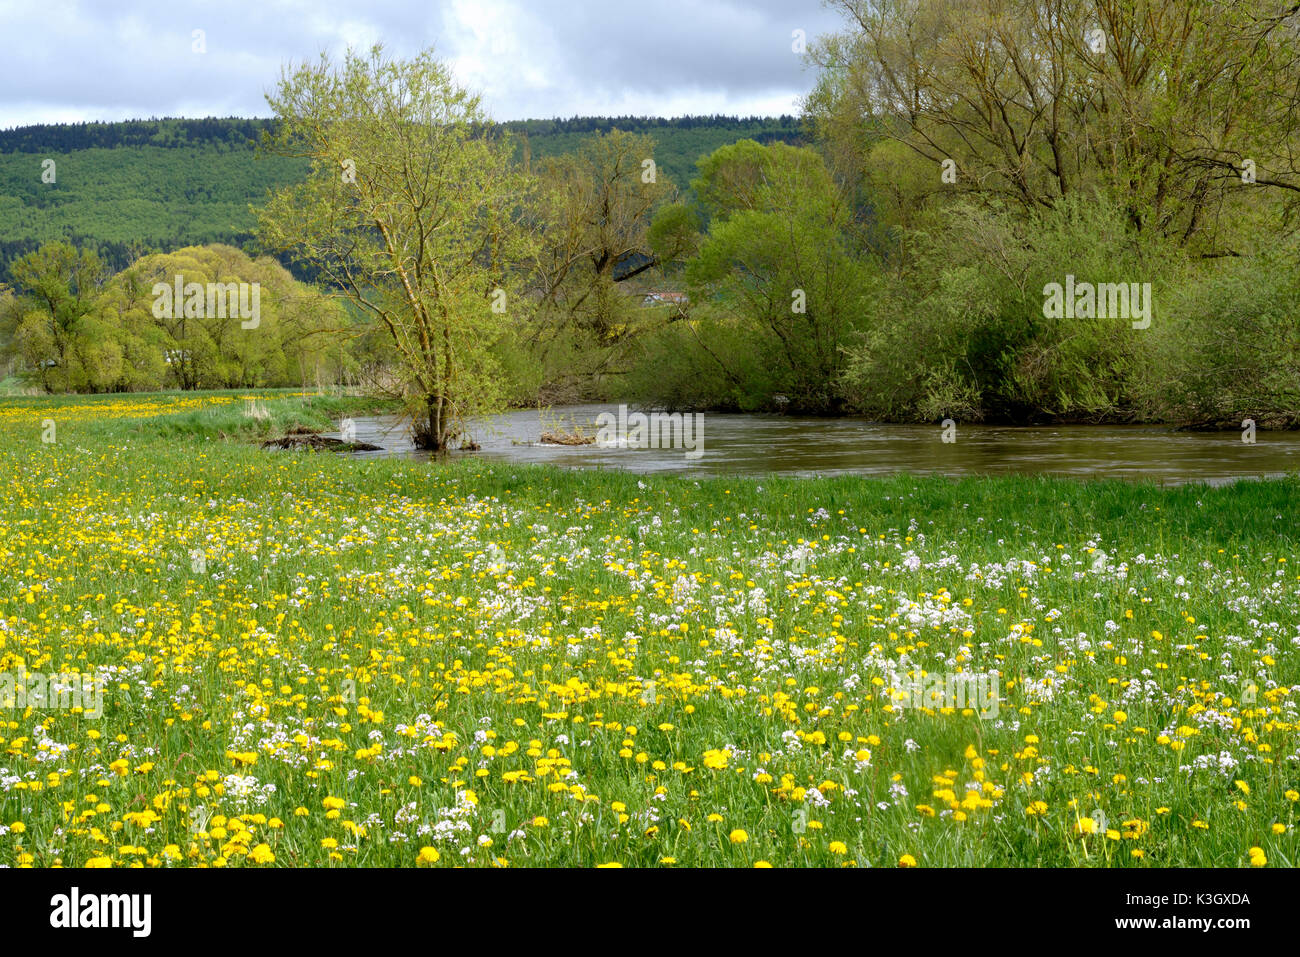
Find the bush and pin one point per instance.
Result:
(1232, 350)
(706, 362)
(961, 330)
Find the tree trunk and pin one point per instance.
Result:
(430, 429)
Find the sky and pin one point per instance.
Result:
(69, 61)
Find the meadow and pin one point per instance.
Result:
(310, 660)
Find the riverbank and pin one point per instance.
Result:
(311, 659)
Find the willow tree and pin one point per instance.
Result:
(776, 264)
(409, 212)
(1170, 106)
(594, 207)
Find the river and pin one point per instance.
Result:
(797, 446)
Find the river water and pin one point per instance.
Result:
(792, 445)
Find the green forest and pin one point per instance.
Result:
(140, 186)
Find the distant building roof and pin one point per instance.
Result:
(675, 297)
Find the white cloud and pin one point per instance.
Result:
(68, 61)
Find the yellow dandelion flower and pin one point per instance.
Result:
(428, 855)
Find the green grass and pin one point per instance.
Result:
(12, 386)
(459, 650)
(261, 417)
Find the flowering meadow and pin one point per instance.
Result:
(313, 660)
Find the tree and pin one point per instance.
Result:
(410, 210)
(60, 287)
(1169, 106)
(776, 259)
(218, 349)
(594, 210)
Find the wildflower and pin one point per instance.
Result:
(261, 854)
(717, 760)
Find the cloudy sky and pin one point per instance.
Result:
(68, 61)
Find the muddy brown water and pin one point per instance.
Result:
(796, 446)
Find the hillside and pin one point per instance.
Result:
(157, 185)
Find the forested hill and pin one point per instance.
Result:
(69, 137)
(157, 185)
